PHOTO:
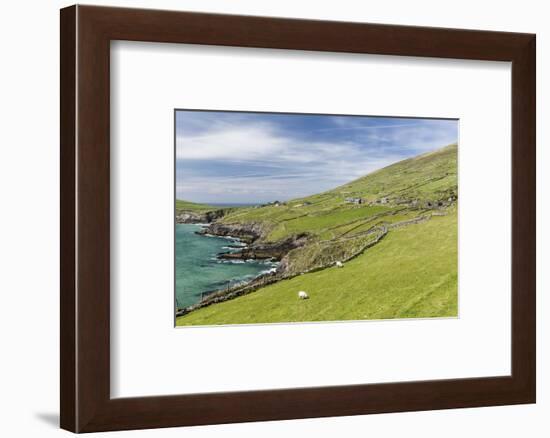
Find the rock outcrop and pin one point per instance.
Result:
(248, 232)
(252, 233)
(274, 251)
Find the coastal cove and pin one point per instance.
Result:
(198, 269)
(382, 246)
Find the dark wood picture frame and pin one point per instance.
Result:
(86, 33)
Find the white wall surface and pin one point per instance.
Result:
(29, 216)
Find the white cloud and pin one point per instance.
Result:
(262, 143)
(244, 143)
(285, 166)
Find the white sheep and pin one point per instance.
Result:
(303, 295)
(339, 264)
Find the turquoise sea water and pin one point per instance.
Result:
(198, 270)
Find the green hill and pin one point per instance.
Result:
(428, 176)
(396, 230)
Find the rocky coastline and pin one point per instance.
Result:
(249, 234)
(192, 217)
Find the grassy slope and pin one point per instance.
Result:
(422, 177)
(193, 207)
(429, 176)
(411, 273)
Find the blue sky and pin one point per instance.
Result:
(232, 157)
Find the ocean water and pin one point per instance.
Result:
(199, 271)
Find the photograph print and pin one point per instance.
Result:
(294, 218)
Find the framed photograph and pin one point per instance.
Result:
(266, 218)
(287, 209)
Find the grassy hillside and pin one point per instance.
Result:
(193, 207)
(427, 178)
(411, 273)
(407, 209)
